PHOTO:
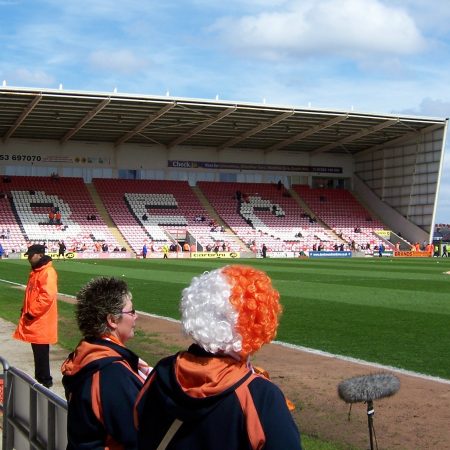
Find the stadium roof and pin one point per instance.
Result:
(119, 118)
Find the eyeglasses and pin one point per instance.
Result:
(131, 312)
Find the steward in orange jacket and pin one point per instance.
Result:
(39, 319)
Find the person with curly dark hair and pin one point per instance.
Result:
(102, 377)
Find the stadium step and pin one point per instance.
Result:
(309, 211)
(213, 214)
(105, 216)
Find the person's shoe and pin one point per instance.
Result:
(48, 385)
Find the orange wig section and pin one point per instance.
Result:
(257, 303)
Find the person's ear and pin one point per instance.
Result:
(112, 321)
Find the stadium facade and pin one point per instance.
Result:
(392, 163)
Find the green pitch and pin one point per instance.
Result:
(390, 311)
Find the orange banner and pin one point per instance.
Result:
(412, 254)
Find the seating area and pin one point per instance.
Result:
(340, 210)
(157, 212)
(160, 212)
(25, 212)
(265, 214)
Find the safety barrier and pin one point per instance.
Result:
(34, 418)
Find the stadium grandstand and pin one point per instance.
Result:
(108, 173)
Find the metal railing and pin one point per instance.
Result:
(34, 418)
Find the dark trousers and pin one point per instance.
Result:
(41, 353)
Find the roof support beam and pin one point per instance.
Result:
(22, 117)
(201, 127)
(306, 133)
(356, 136)
(145, 123)
(257, 129)
(90, 115)
(402, 139)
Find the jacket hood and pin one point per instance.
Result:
(90, 356)
(191, 383)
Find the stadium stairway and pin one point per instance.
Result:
(105, 216)
(309, 211)
(213, 214)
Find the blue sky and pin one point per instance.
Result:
(373, 55)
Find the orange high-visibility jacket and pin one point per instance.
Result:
(40, 325)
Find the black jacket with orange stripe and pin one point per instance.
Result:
(196, 400)
(101, 381)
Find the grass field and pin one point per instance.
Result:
(390, 311)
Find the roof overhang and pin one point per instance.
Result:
(168, 121)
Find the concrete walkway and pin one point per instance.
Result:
(19, 355)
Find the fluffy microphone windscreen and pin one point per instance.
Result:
(368, 387)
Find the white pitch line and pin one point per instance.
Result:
(304, 349)
(362, 362)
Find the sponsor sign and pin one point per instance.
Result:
(24, 158)
(411, 254)
(384, 233)
(104, 255)
(242, 166)
(87, 255)
(54, 255)
(385, 253)
(282, 254)
(214, 255)
(330, 254)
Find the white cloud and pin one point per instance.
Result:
(26, 77)
(122, 61)
(349, 28)
(431, 107)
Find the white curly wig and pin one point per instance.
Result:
(207, 314)
(233, 310)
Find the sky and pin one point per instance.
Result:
(374, 56)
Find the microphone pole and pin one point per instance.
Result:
(366, 389)
(370, 414)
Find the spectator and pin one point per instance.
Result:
(102, 378)
(144, 217)
(264, 251)
(189, 391)
(61, 250)
(144, 251)
(51, 217)
(58, 217)
(444, 251)
(39, 319)
(105, 247)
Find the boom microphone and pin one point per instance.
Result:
(368, 387)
